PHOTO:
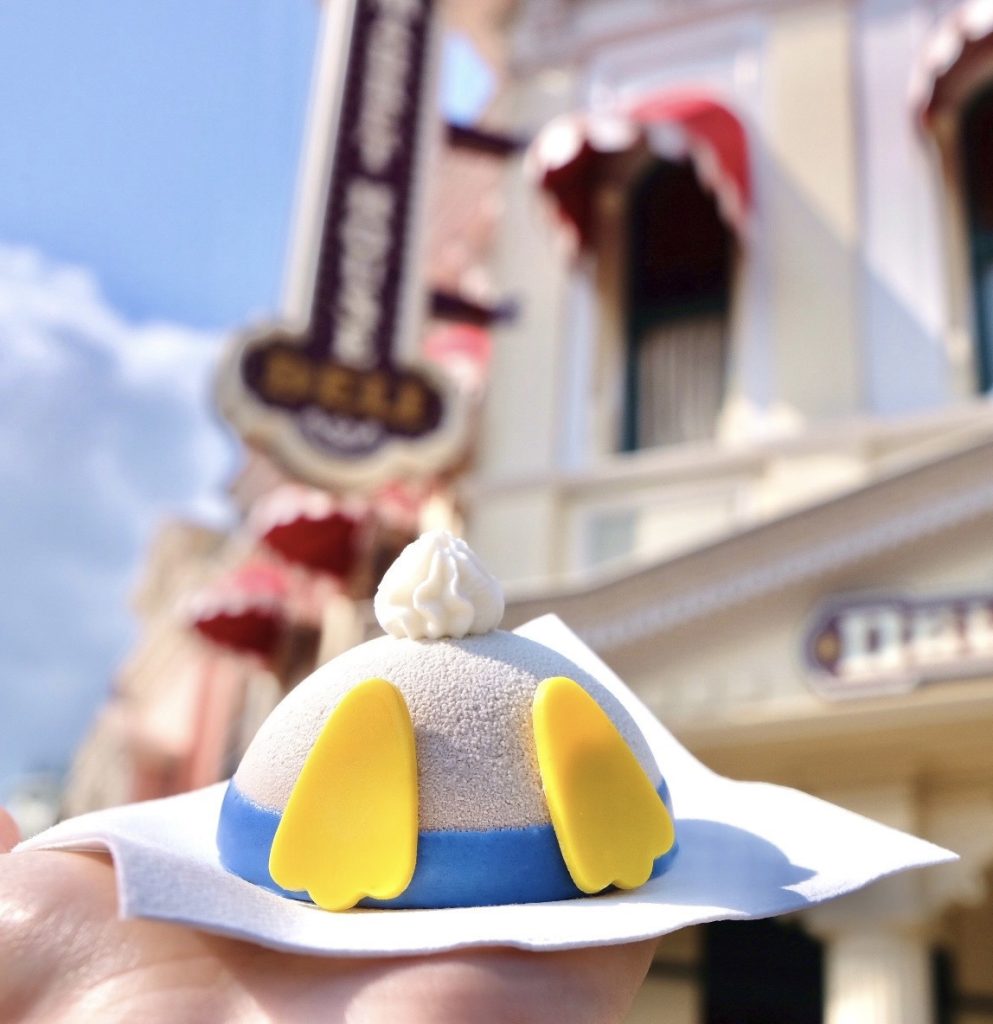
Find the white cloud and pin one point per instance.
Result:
(106, 429)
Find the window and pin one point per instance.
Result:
(977, 163)
(761, 972)
(679, 274)
(658, 192)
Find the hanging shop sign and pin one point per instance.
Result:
(865, 646)
(337, 393)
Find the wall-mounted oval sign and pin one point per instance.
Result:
(862, 646)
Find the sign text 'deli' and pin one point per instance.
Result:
(886, 644)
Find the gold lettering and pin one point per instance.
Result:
(410, 407)
(374, 396)
(287, 377)
(336, 389)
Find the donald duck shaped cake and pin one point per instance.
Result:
(446, 764)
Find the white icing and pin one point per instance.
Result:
(438, 588)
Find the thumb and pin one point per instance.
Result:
(10, 834)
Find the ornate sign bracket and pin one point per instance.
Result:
(335, 392)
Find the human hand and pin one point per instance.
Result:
(65, 957)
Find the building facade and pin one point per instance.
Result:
(740, 439)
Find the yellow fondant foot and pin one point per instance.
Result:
(609, 821)
(349, 829)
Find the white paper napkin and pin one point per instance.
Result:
(746, 850)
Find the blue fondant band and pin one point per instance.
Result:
(454, 868)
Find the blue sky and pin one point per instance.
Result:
(149, 152)
(156, 142)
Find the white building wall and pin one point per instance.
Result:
(515, 524)
(903, 274)
(813, 217)
(842, 319)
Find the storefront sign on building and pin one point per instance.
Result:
(864, 646)
(340, 400)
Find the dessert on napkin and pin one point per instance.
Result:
(448, 763)
(435, 759)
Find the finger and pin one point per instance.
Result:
(586, 986)
(10, 834)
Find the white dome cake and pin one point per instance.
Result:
(448, 763)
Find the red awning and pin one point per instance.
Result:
(956, 56)
(244, 611)
(463, 350)
(310, 527)
(675, 125)
(398, 506)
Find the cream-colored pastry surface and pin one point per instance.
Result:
(470, 705)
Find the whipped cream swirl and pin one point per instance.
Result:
(438, 588)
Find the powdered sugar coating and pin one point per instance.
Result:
(470, 704)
